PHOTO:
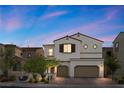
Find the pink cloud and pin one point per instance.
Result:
(108, 38)
(12, 24)
(53, 14)
(111, 14)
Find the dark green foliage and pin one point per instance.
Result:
(35, 65)
(39, 65)
(12, 78)
(121, 81)
(52, 62)
(112, 64)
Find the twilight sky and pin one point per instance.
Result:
(37, 25)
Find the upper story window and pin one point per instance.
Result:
(50, 52)
(94, 46)
(29, 55)
(67, 48)
(85, 46)
(116, 46)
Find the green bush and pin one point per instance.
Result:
(121, 81)
(3, 78)
(12, 78)
(46, 81)
(32, 80)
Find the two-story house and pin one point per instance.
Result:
(79, 55)
(118, 50)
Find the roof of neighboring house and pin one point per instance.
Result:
(67, 37)
(31, 48)
(1, 44)
(49, 45)
(87, 36)
(11, 45)
(118, 36)
(107, 47)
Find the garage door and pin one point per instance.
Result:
(86, 71)
(62, 71)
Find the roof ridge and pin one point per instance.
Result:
(86, 36)
(67, 36)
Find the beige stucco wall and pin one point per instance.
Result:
(18, 52)
(67, 56)
(92, 53)
(120, 53)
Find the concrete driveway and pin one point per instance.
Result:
(85, 82)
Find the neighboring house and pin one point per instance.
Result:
(1, 57)
(107, 52)
(20, 56)
(79, 56)
(17, 57)
(118, 50)
(29, 52)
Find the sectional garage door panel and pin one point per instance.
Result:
(86, 71)
(62, 71)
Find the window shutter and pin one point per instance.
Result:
(61, 48)
(73, 47)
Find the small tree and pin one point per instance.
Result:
(113, 65)
(39, 65)
(35, 65)
(8, 59)
(52, 62)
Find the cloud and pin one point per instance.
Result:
(53, 14)
(12, 24)
(109, 38)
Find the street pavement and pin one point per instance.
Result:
(66, 83)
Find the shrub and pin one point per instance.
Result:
(12, 78)
(32, 80)
(121, 81)
(46, 81)
(3, 78)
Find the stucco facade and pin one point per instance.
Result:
(80, 56)
(118, 50)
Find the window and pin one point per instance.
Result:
(28, 55)
(50, 52)
(85, 46)
(17, 66)
(94, 46)
(67, 48)
(116, 45)
(109, 53)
